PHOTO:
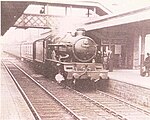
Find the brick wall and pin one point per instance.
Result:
(127, 91)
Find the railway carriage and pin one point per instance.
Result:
(26, 50)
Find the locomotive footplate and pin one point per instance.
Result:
(86, 71)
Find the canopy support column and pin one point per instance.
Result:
(142, 52)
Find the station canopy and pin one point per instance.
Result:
(97, 8)
(103, 8)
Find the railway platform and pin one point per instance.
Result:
(13, 106)
(130, 85)
(131, 77)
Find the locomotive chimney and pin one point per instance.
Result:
(80, 32)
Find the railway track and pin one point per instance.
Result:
(87, 106)
(124, 109)
(40, 101)
(69, 105)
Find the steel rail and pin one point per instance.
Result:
(58, 101)
(33, 110)
(127, 103)
(103, 107)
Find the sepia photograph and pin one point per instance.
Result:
(75, 60)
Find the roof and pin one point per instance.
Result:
(140, 16)
(10, 12)
(122, 6)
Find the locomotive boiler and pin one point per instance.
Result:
(74, 48)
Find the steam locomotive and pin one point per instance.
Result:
(72, 57)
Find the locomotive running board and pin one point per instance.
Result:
(56, 61)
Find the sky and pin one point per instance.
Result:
(120, 6)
